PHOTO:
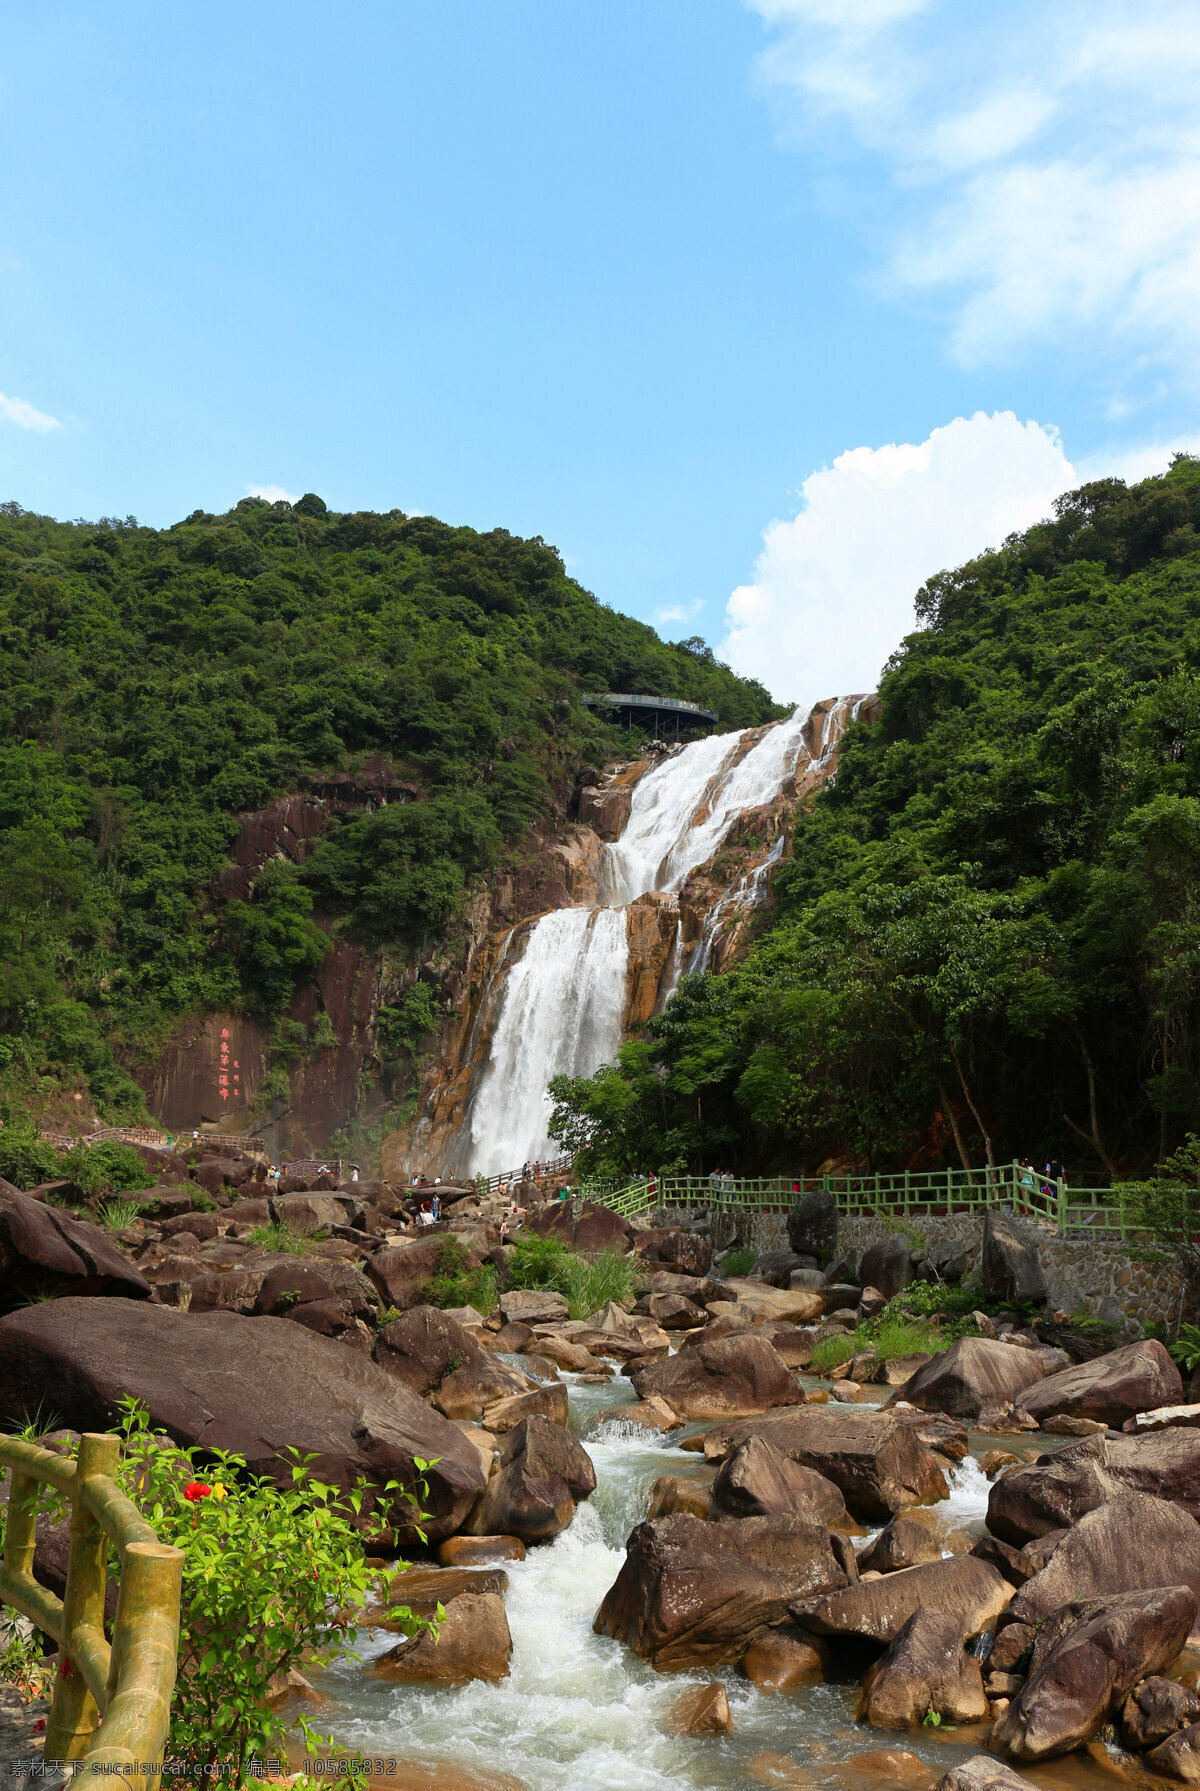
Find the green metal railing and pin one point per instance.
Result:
(907, 1193)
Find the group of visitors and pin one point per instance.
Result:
(721, 1181)
(1053, 1177)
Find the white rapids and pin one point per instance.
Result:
(563, 1002)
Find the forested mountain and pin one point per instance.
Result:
(987, 937)
(155, 683)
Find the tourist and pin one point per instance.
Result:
(435, 1207)
(425, 1216)
(354, 1172)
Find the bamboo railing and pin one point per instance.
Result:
(111, 1707)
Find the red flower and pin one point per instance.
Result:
(196, 1489)
(64, 1672)
(39, 1728)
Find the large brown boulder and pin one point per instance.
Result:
(308, 1213)
(1086, 1660)
(887, 1266)
(983, 1772)
(723, 1378)
(672, 1247)
(541, 1473)
(970, 1591)
(1128, 1545)
(674, 1312)
(812, 1226)
(1111, 1388)
(403, 1271)
(440, 1360)
(1009, 1263)
(472, 1642)
(256, 1386)
(693, 1594)
(972, 1373)
(926, 1670)
(757, 1481)
(325, 1295)
(45, 1251)
(902, 1543)
(1179, 1756)
(877, 1459)
(1055, 1492)
(1157, 1708)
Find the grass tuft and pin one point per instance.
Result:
(277, 1236)
(119, 1215)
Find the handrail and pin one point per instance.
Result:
(111, 1708)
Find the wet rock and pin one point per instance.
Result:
(982, 1772)
(1157, 1708)
(1166, 1417)
(46, 1251)
(532, 1306)
(254, 1385)
(970, 1591)
(1056, 1491)
(1130, 1544)
(883, 1769)
(673, 1496)
(473, 1642)
(876, 1459)
(766, 1304)
(704, 1711)
(812, 1226)
(1109, 1389)
(672, 1311)
(509, 1339)
(1179, 1756)
(996, 1459)
(694, 1594)
(1011, 1269)
(949, 1437)
(565, 1354)
(701, 1290)
(1004, 1558)
(471, 1551)
(887, 1266)
(757, 1481)
(548, 1401)
(422, 1589)
(902, 1543)
(925, 1669)
(785, 1657)
(1010, 1650)
(541, 1473)
(1086, 1660)
(724, 1377)
(674, 1248)
(651, 1413)
(971, 1374)
(442, 1362)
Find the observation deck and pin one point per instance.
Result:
(662, 713)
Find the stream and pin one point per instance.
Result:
(579, 1711)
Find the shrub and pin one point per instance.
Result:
(278, 1236)
(903, 1337)
(585, 1282)
(831, 1352)
(25, 1158)
(118, 1215)
(535, 1261)
(739, 1261)
(456, 1283)
(107, 1168)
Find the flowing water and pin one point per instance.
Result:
(563, 1001)
(579, 1711)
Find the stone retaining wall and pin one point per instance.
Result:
(1080, 1272)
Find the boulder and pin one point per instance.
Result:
(1157, 1708)
(693, 1594)
(785, 1657)
(878, 1461)
(440, 1360)
(902, 1543)
(727, 1377)
(776, 1268)
(532, 1306)
(422, 1589)
(599, 1228)
(674, 1248)
(970, 1591)
(982, 1772)
(812, 1225)
(547, 1401)
(797, 1306)
(704, 1711)
(1164, 1417)
(562, 1352)
(1011, 1269)
(971, 1374)
(256, 1386)
(701, 1290)
(1178, 1756)
(794, 1344)
(1057, 1490)
(324, 1295)
(674, 1312)
(510, 1339)
(887, 1265)
(541, 1472)
(46, 1251)
(1110, 1388)
(1086, 1660)
(757, 1481)
(472, 1642)
(308, 1213)
(647, 1414)
(671, 1495)
(473, 1551)
(402, 1271)
(926, 1669)
(1130, 1544)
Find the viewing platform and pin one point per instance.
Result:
(662, 712)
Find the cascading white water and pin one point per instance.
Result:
(563, 1001)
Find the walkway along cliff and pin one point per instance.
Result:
(664, 869)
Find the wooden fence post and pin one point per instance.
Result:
(74, 1717)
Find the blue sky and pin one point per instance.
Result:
(729, 301)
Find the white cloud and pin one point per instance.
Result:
(678, 612)
(274, 494)
(17, 411)
(833, 589)
(1045, 160)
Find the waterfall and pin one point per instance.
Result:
(563, 1003)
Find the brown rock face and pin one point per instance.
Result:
(1009, 1261)
(1086, 1660)
(1111, 1388)
(1055, 1493)
(757, 1481)
(45, 1251)
(672, 1496)
(971, 1374)
(1157, 1708)
(473, 1642)
(651, 923)
(693, 1594)
(402, 1271)
(439, 1359)
(970, 1591)
(728, 1377)
(704, 1711)
(672, 1248)
(983, 1773)
(925, 1669)
(878, 1461)
(783, 1658)
(902, 1543)
(542, 1472)
(1130, 1544)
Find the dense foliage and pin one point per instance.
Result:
(154, 683)
(986, 941)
